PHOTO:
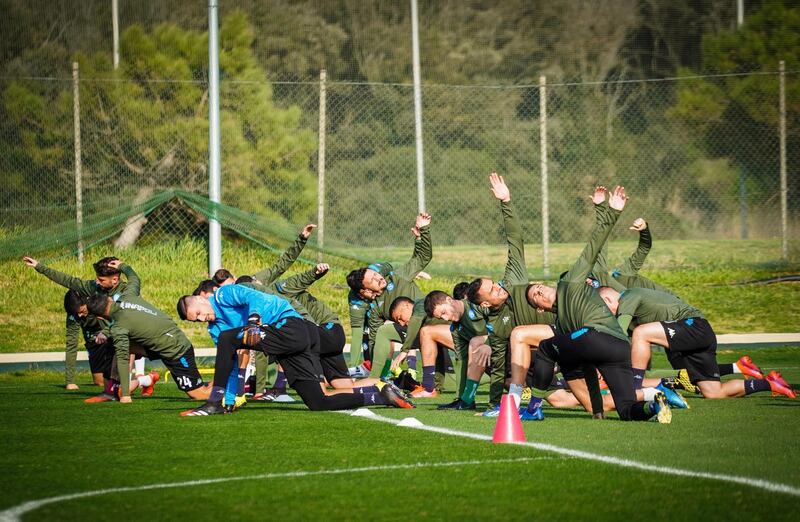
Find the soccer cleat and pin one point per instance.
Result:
(673, 398)
(457, 404)
(749, 368)
(99, 398)
(209, 408)
(239, 402)
(663, 413)
(779, 386)
(527, 392)
(421, 393)
(682, 381)
(535, 415)
(491, 412)
(394, 396)
(264, 397)
(147, 391)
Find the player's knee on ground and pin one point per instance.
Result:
(712, 390)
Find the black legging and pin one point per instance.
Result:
(612, 357)
(316, 400)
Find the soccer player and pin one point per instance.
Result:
(497, 303)
(267, 323)
(467, 333)
(425, 332)
(136, 322)
(587, 333)
(398, 282)
(329, 327)
(690, 342)
(95, 338)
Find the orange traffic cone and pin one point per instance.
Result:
(508, 427)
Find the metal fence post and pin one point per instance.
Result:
(784, 189)
(115, 28)
(545, 194)
(76, 118)
(214, 190)
(417, 106)
(321, 167)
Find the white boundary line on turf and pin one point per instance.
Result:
(775, 487)
(14, 513)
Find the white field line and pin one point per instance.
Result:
(775, 487)
(13, 514)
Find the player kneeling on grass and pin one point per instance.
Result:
(267, 323)
(134, 321)
(664, 319)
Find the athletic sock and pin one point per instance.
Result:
(470, 387)
(649, 393)
(428, 377)
(412, 363)
(638, 378)
(280, 381)
(386, 371)
(372, 398)
(138, 366)
(231, 386)
(755, 386)
(239, 381)
(363, 390)
(728, 369)
(216, 395)
(537, 396)
(515, 390)
(144, 380)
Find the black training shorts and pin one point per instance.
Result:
(692, 345)
(183, 369)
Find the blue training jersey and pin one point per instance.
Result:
(233, 304)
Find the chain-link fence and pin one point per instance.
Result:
(699, 155)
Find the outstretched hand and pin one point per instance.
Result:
(423, 220)
(499, 187)
(322, 269)
(31, 262)
(415, 231)
(639, 225)
(599, 195)
(618, 198)
(306, 233)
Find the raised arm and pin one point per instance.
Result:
(600, 269)
(299, 283)
(272, 273)
(85, 288)
(423, 249)
(134, 283)
(633, 264)
(605, 223)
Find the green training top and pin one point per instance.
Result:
(296, 287)
(472, 324)
(642, 305)
(600, 269)
(272, 289)
(400, 282)
(358, 306)
(289, 256)
(577, 304)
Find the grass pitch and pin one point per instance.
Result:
(282, 462)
